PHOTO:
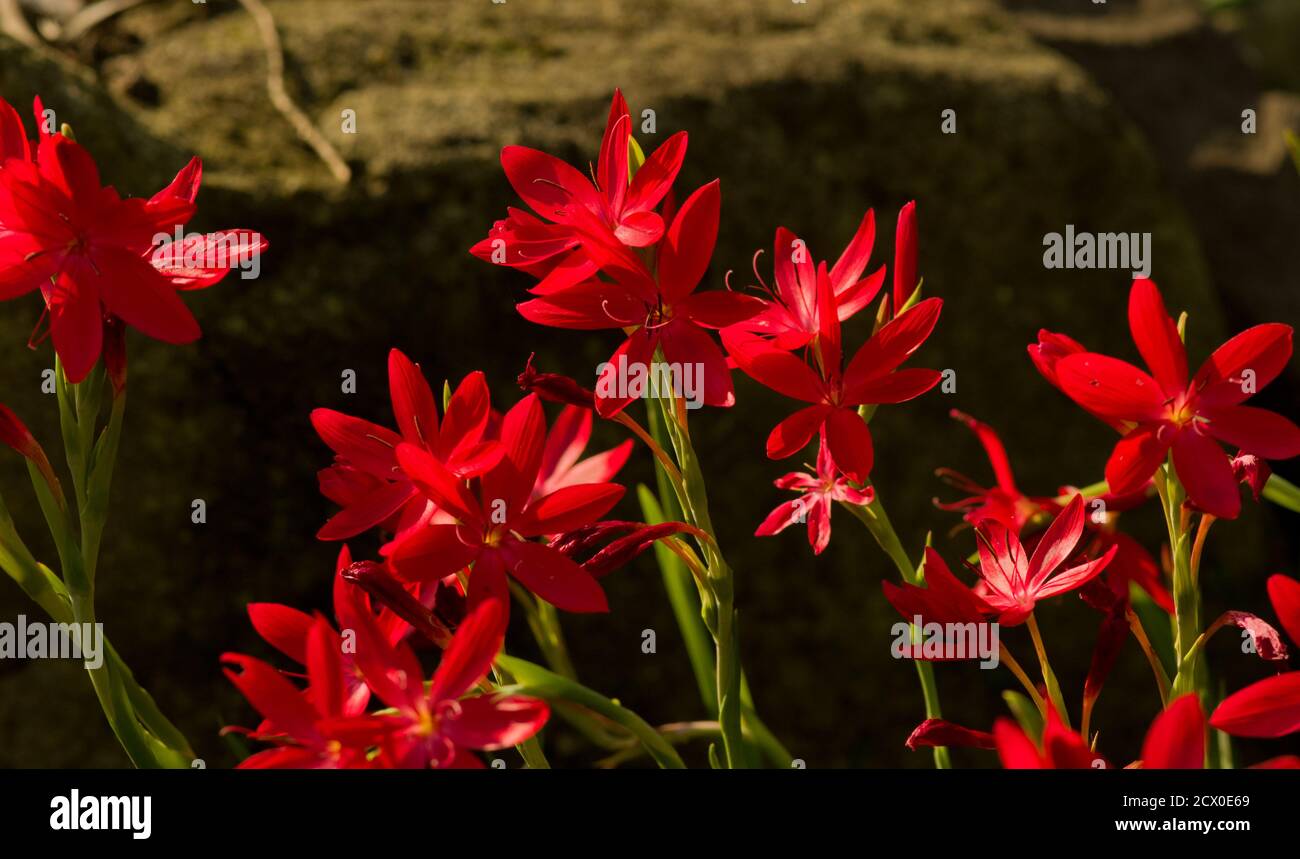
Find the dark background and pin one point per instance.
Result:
(1117, 117)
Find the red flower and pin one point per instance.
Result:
(92, 253)
(791, 320)
(944, 599)
(491, 527)
(661, 310)
(1162, 410)
(614, 206)
(435, 727)
(1012, 582)
(1061, 748)
(871, 377)
(1004, 503)
(316, 728)
(819, 491)
(1175, 740)
(365, 479)
(1270, 707)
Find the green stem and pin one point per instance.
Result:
(718, 598)
(877, 522)
(538, 682)
(1049, 676)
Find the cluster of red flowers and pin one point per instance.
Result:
(92, 253)
(476, 506)
(479, 498)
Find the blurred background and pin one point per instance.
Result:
(1123, 116)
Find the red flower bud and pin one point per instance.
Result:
(14, 433)
(905, 277)
(115, 354)
(1252, 471)
(555, 387)
(389, 592)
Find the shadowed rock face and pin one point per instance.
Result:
(809, 114)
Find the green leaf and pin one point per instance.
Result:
(1025, 713)
(1283, 493)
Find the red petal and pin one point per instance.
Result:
(366, 446)
(656, 176)
(773, 368)
(849, 267)
(1258, 431)
(551, 187)
(688, 245)
(440, 485)
(429, 553)
(1110, 387)
(687, 346)
(793, 434)
(892, 345)
(1265, 349)
(553, 577)
(1176, 740)
(897, 387)
(849, 442)
(1156, 337)
(1269, 708)
(1206, 473)
(278, 700)
(568, 508)
(413, 403)
(1284, 593)
(134, 290)
(283, 628)
(1015, 749)
(368, 511)
(472, 650)
(491, 722)
(1135, 458)
(76, 327)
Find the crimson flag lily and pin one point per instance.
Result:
(491, 526)
(1270, 707)
(660, 310)
(615, 206)
(365, 478)
(1012, 582)
(819, 492)
(1008, 505)
(1162, 410)
(435, 726)
(1175, 740)
(319, 728)
(790, 320)
(93, 253)
(835, 392)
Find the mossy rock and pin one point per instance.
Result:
(809, 113)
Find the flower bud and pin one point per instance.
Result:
(555, 387)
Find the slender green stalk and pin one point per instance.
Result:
(1049, 676)
(877, 522)
(538, 682)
